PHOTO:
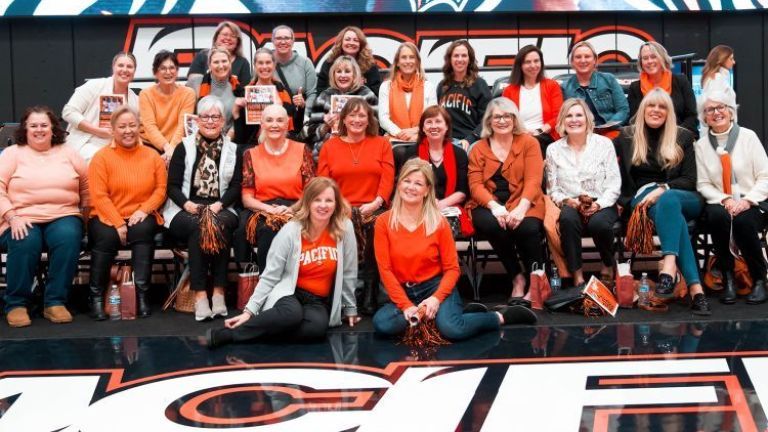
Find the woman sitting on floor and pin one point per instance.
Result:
(309, 281)
(423, 275)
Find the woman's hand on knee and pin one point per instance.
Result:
(20, 227)
(430, 304)
(652, 197)
(237, 321)
(136, 218)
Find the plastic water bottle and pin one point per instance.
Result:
(644, 292)
(114, 303)
(555, 282)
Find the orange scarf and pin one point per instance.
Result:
(725, 161)
(647, 85)
(402, 115)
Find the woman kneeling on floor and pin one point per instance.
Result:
(424, 274)
(309, 280)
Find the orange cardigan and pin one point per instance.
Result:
(551, 101)
(523, 169)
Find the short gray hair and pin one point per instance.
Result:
(725, 96)
(274, 107)
(209, 102)
(282, 27)
(504, 105)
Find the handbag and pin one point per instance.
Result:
(182, 297)
(713, 277)
(563, 299)
(127, 295)
(539, 289)
(625, 285)
(246, 284)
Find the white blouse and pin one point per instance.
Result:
(594, 172)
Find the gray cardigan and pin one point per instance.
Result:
(279, 278)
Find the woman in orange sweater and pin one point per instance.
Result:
(274, 175)
(538, 97)
(362, 164)
(163, 105)
(423, 275)
(125, 208)
(505, 174)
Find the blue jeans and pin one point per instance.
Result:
(62, 238)
(669, 215)
(450, 321)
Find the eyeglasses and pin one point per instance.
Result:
(499, 117)
(718, 108)
(166, 69)
(210, 118)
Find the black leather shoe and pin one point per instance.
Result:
(143, 305)
(99, 281)
(96, 302)
(665, 289)
(141, 258)
(700, 305)
(216, 337)
(518, 315)
(473, 307)
(729, 288)
(518, 301)
(758, 294)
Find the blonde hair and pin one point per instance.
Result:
(581, 44)
(419, 68)
(357, 81)
(235, 31)
(214, 51)
(504, 105)
(302, 213)
(670, 154)
(715, 60)
(430, 213)
(659, 50)
(567, 105)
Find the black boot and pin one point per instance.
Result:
(729, 288)
(142, 255)
(758, 294)
(99, 281)
(368, 304)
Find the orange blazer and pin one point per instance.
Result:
(523, 169)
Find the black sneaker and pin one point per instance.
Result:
(473, 307)
(216, 337)
(700, 305)
(665, 289)
(518, 315)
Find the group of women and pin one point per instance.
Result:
(485, 156)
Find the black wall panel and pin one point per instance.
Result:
(43, 64)
(6, 74)
(687, 33)
(96, 41)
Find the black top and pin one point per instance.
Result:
(682, 176)
(502, 192)
(462, 168)
(466, 105)
(682, 98)
(176, 180)
(240, 67)
(371, 78)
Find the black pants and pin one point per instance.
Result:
(186, 227)
(544, 140)
(264, 237)
(141, 240)
(746, 228)
(599, 226)
(303, 316)
(526, 239)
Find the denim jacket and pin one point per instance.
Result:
(606, 94)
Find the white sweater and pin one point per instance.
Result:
(749, 163)
(84, 106)
(430, 98)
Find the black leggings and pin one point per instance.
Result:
(303, 316)
(599, 226)
(526, 239)
(186, 226)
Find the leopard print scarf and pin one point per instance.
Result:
(207, 174)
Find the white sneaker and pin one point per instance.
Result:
(219, 306)
(202, 310)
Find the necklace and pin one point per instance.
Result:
(437, 160)
(277, 152)
(356, 157)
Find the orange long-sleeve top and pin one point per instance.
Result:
(125, 180)
(363, 170)
(405, 256)
(162, 115)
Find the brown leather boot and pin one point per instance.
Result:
(57, 314)
(18, 317)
